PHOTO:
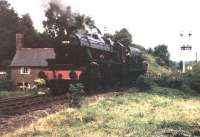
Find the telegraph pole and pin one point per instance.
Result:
(185, 45)
(196, 57)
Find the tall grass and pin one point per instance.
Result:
(155, 68)
(159, 112)
(5, 94)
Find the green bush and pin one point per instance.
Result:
(195, 82)
(176, 83)
(193, 78)
(186, 89)
(143, 83)
(160, 61)
(171, 82)
(76, 94)
(163, 81)
(6, 85)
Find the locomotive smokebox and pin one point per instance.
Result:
(65, 48)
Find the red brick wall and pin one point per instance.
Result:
(19, 41)
(16, 77)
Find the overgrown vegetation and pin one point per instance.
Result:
(161, 54)
(192, 78)
(143, 83)
(11, 23)
(159, 112)
(8, 89)
(76, 94)
(154, 67)
(6, 85)
(5, 94)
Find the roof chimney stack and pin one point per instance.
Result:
(19, 41)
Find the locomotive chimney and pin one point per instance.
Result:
(19, 41)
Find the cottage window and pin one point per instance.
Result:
(25, 70)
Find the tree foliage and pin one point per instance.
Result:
(32, 38)
(108, 35)
(123, 36)
(61, 21)
(193, 78)
(180, 65)
(10, 24)
(196, 68)
(58, 22)
(162, 52)
(138, 46)
(150, 51)
(8, 28)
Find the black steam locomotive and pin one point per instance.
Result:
(95, 61)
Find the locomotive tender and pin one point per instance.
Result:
(95, 61)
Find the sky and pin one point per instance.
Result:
(151, 22)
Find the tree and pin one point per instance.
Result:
(32, 38)
(194, 77)
(10, 24)
(150, 51)
(140, 47)
(8, 28)
(62, 21)
(123, 36)
(108, 35)
(91, 24)
(58, 22)
(180, 65)
(173, 65)
(162, 52)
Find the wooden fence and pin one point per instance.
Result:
(172, 77)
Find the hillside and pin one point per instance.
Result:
(155, 68)
(160, 112)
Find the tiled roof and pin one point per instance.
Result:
(32, 57)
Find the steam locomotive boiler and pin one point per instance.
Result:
(95, 61)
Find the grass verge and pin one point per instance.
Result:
(5, 94)
(155, 68)
(159, 112)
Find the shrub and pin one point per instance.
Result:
(76, 90)
(193, 78)
(195, 82)
(186, 88)
(170, 81)
(143, 83)
(160, 61)
(6, 85)
(39, 82)
(163, 81)
(174, 83)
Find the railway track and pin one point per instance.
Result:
(20, 111)
(21, 105)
